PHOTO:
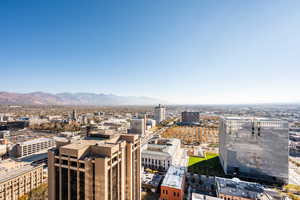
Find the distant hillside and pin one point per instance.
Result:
(41, 98)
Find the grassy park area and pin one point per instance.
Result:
(209, 165)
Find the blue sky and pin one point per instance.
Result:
(197, 51)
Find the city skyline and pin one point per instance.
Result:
(200, 52)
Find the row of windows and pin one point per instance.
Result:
(72, 163)
(229, 198)
(18, 191)
(38, 145)
(175, 194)
(154, 161)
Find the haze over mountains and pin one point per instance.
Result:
(42, 98)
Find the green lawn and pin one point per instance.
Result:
(209, 165)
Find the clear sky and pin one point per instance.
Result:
(196, 51)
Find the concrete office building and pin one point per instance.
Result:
(255, 147)
(101, 166)
(18, 178)
(190, 117)
(172, 187)
(32, 146)
(159, 113)
(137, 126)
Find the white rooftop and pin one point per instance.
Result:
(10, 169)
(174, 177)
(38, 140)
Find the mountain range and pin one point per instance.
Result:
(42, 98)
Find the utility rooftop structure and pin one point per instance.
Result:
(234, 188)
(101, 166)
(255, 148)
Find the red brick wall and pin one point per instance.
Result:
(168, 193)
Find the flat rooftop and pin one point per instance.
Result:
(174, 177)
(10, 169)
(34, 141)
(151, 179)
(162, 147)
(197, 196)
(250, 118)
(96, 140)
(238, 188)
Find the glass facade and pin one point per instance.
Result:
(255, 148)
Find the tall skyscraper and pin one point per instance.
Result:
(159, 113)
(101, 166)
(255, 148)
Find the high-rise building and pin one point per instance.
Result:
(101, 166)
(74, 115)
(137, 126)
(255, 148)
(159, 113)
(190, 117)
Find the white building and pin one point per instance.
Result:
(163, 153)
(33, 146)
(159, 113)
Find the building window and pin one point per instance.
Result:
(73, 182)
(81, 165)
(64, 162)
(64, 191)
(74, 164)
(81, 186)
